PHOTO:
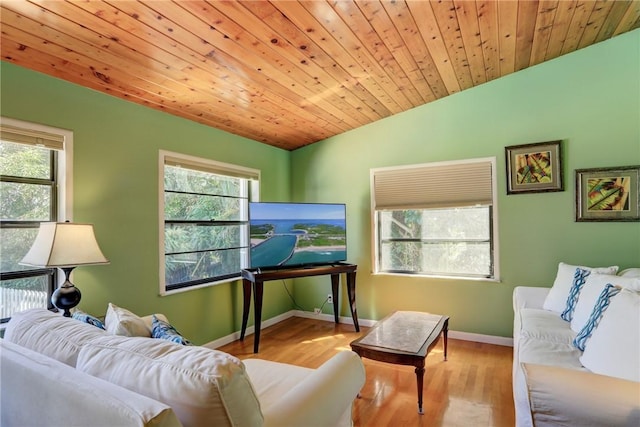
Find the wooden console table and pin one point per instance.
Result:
(257, 277)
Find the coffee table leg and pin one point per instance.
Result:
(420, 378)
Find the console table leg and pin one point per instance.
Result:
(351, 293)
(246, 297)
(335, 283)
(258, 288)
(445, 332)
(420, 378)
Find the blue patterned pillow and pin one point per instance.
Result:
(579, 279)
(163, 330)
(87, 318)
(604, 299)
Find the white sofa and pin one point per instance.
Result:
(555, 383)
(59, 371)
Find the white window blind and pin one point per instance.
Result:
(433, 185)
(31, 137)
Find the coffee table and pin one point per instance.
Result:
(404, 338)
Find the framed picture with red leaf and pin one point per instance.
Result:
(534, 168)
(608, 194)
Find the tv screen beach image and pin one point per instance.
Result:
(295, 234)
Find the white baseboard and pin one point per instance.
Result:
(465, 336)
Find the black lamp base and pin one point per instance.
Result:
(66, 296)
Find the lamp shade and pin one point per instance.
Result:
(64, 244)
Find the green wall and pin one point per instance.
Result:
(115, 181)
(590, 99)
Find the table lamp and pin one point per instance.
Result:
(64, 245)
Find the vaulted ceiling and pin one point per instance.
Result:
(291, 73)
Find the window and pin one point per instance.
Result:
(204, 208)
(34, 188)
(436, 219)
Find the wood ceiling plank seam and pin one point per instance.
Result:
(56, 67)
(405, 93)
(560, 29)
(104, 19)
(417, 21)
(488, 22)
(544, 23)
(324, 40)
(507, 27)
(615, 15)
(111, 83)
(101, 71)
(289, 111)
(470, 30)
(578, 24)
(334, 103)
(222, 90)
(348, 37)
(341, 105)
(27, 25)
(447, 18)
(337, 109)
(527, 14)
(158, 87)
(630, 20)
(315, 57)
(380, 22)
(595, 23)
(259, 95)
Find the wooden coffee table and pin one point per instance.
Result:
(404, 338)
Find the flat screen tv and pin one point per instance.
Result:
(297, 234)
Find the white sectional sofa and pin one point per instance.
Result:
(59, 371)
(576, 359)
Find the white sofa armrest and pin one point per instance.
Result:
(322, 397)
(567, 397)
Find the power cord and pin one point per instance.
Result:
(295, 304)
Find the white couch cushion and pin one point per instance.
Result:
(39, 391)
(120, 321)
(614, 346)
(204, 387)
(50, 334)
(590, 292)
(556, 299)
(544, 325)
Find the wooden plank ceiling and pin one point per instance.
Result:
(291, 73)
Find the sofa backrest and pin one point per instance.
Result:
(38, 390)
(50, 334)
(204, 387)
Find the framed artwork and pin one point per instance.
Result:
(534, 168)
(608, 194)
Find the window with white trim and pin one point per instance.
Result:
(35, 163)
(436, 219)
(204, 209)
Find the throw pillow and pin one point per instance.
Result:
(614, 347)
(164, 330)
(579, 280)
(556, 299)
(87, 318)
(601, 306)
(120, 321)
(593, 286)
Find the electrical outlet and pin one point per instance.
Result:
(330, 299)
(316, 310)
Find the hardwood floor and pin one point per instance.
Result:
(472, 388)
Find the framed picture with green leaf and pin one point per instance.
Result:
(534, 168)
(608, 194)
